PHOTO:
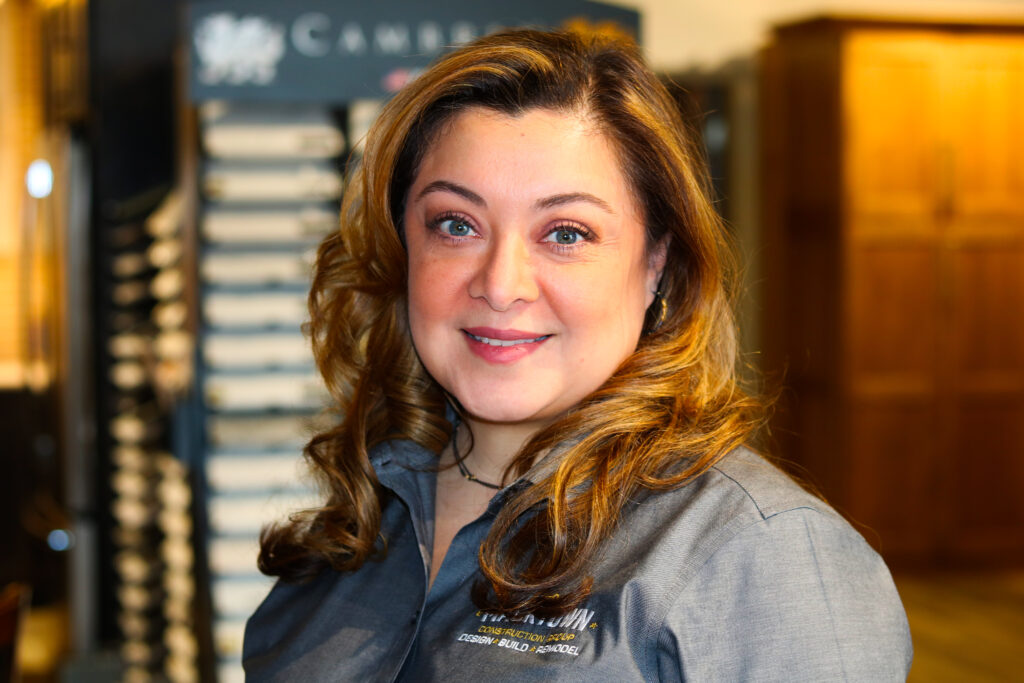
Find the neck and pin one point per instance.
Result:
(494, 446)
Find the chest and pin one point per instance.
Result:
(382, 624)
(458, 503)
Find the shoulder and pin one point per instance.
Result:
(760, 489)
(784, 588)
(742, 492)
(745, 498)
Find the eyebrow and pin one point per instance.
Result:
(545, 203)
(571, 197)
(446, 186)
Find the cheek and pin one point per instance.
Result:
(603, 317)
(419, 292)
(433, 293)
(609, 299)
(423, 294)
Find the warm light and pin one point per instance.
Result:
(39, 179)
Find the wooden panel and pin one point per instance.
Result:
(988, 320)
(819, 450)
(892, 475)
(810, 93)
(21, 123)
(893, 319)
(801, 192)
(811, 301)
(985, 95)
(983, 162)
(890, 114)
(772, 183)
(986, 500)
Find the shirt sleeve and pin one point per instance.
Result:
(798, 596)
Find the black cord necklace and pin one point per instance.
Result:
(465, 470)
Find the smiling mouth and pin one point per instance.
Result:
(505, 342)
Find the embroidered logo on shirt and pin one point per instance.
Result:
(533, 634)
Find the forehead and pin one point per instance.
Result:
(536, 151)
(475, 124)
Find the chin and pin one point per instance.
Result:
(487, 409)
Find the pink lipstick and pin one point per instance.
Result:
(502, 346)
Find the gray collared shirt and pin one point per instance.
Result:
(738, 576)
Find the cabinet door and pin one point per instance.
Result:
(983, 188)
(892, 320)
(895, 454)
(982, 171)
(891, 109)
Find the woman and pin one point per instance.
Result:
(540, 470)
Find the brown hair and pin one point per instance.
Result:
(674, 407)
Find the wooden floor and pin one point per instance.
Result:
(966, 627)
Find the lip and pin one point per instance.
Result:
(503, 335)
(502, 355)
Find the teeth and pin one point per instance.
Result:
(506, 342)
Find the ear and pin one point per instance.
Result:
(655, 267)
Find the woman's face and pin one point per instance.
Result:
(528, 272)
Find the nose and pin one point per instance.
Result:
(505, 275)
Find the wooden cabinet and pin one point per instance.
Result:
(893, 202)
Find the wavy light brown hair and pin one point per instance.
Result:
(674, 407)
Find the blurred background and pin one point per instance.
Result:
(167, 167)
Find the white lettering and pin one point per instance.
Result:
(351, 40)
(513, 645)
(562, 648)
(492, 617)
(391, 38)
(304, 30)
(312, 32)
(430, 37)
(578, 619)
(463, 32)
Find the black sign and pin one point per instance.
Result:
(330, 51)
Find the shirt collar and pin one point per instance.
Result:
(394, 460)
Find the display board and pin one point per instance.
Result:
(324, 51)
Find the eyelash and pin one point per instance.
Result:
(434, 225)
(586, 235)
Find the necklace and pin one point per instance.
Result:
(472, 477)
(465, 470)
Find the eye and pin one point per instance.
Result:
(456, 227)
(452, 226)
(568, 235)
(565, 236)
